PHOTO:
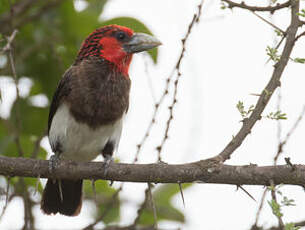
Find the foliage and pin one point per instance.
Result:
(276, 207)
(243, 111)
(273, 54)
(278, 115)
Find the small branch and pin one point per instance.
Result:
(142, 207)
(270, 9)
(194, 20)
(153, 205)
(300, 35)
(273, 195)
(269, 23)
(260, 208)
(288, 135)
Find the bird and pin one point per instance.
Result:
(88, 109)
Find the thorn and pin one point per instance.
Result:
(181, 193)
(60, 191)
(239, 186)
(288, 162)
(255, 94)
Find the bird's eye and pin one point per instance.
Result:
(120, 36)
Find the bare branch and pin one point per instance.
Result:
(195, 20)
(270, 9)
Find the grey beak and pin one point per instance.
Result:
(140, 42)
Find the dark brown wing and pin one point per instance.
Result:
(62, 91)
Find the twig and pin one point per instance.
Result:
(269, 23)
(8, 48)
(273, 195)
(7, 190)
(195, 20)
(22, 190)
(288, 135)
(260, 208)
(271, 9)
(300, 35)
(153, 206)
(142, 207)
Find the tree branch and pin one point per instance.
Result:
(268, 90)
(270, 9)
(207, 171)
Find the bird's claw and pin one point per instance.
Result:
(162, 162)
(107, 161)
(53, 163)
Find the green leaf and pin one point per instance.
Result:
(278, 115)
(276, 208)
(302, 13)
(243, 112)
(135, 25)
(273, 54)
(299, 60)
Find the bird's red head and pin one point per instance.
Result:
(116, 44)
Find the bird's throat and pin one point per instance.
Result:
(122, 64)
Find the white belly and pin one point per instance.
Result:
(79, 142)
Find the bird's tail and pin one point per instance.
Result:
(63, 196)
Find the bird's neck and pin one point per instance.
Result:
(121, 63)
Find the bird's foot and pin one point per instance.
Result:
(53, 163)
(162, 162)
(107, 161)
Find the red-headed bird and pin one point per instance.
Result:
(87, 110)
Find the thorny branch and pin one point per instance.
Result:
(268, 90)
(271, 9)
(195, 20)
